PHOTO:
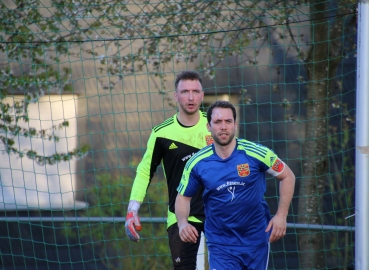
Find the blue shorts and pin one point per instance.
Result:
(250, 258)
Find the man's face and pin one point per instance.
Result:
(222, 126)
(189, 96)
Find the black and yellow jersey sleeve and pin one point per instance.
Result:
(172, 145)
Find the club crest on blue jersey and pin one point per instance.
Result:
(209, 139)
(243, 170)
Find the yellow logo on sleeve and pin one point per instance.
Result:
(173, 146)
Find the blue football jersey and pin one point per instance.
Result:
(235, 210)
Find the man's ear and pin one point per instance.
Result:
(208, 126)
(175, 96)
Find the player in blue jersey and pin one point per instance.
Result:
(238, 225)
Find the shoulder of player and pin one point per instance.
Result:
(203, 115)
(202, 154)
(255, 150)
(168, 123)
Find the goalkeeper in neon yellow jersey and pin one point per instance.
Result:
(172, 143)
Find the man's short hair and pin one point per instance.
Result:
(188, 75)
(220, 104)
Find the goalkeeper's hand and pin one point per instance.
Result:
(133, 224)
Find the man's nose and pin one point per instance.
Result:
(190, 97)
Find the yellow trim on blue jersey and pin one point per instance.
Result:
(260, 152)
(199, 154)
(203, 153)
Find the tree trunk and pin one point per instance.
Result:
(315, 152)
(314, 165)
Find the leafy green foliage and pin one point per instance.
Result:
(27, 38)
(108, 239)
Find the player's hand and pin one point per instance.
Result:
(133, 224)
(278, 225)
(188, 233)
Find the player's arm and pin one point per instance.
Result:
(278, 223)
(186, 189)
(146, 169)
(144, 174)
(187, 232)
(286, 190)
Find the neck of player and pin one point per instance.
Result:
(188, 119)
(224, 151)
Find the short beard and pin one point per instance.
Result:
(224, 143)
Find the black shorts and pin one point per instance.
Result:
(184, 255)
